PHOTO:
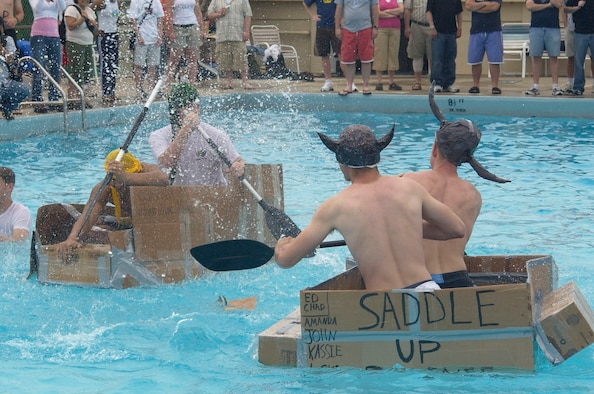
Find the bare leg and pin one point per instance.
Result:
(244, 80)
(477, 70)
(495, 72)
(536, 65)
(326, 67)
(365, 74)
(349, 74)
(555, 70)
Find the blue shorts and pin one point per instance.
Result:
(545, 38)
(490, 43)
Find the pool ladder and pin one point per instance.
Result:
(62, 93)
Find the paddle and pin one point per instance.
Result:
(123, 150)
(239, 254)
(277, 221)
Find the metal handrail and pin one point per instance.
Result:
(62, 92)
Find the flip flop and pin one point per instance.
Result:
(495, 90)
(366, 92)
(416, 86)
(344, 92)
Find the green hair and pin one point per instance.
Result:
(181, 95)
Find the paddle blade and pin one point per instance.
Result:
(232, 255)
(278, 222)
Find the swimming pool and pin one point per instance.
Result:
(178, 338)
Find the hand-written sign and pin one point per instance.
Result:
(407, 327)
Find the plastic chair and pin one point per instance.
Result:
(268, 35)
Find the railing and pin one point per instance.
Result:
(62, 93)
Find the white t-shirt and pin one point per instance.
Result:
(183, 12)
(199, 164)
(17, 216)
(108, 17)
(146, 14)
(81, 34)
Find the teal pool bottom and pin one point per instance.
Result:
(179, 338)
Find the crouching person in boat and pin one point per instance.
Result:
(128, 172)
(184, 152)
(454, 144)
(383, 219)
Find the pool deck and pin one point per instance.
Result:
(511, 86)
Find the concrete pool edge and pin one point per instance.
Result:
(451, 105)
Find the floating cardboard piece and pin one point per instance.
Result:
(566, 323)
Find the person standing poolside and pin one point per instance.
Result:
(127, 172)
(185, 35)
(15, 218)
(382, 218)
(545, 34)
(583, 18)
(326, 40)
(357, 31)
(181, 149)
(109, 44)
(485, 37)
(13, 13)
(46, 47)
(146, 17)
(418, 32)
(386, 42)
(233, 20)
(445, 20)
(12, 92)
(81, 28)
(454, 144)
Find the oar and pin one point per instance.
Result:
(277, 221)
(123, 150)
(239, 254)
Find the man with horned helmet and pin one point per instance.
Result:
(383, 219)
(454, 144)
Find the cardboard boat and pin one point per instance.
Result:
(491, 326)
(166, 223)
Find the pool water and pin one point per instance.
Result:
(178, 338)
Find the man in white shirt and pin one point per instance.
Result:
(15, 218)
(146, 17)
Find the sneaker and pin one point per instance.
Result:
(438, 89)
(532, 91)
(577, 92)
(354, 88)
(568, 88)
(328, 86)
(557, 92)
(452, 89)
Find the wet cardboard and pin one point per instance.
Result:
(567, 322)
(486, 327)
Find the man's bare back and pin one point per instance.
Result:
(381, 220)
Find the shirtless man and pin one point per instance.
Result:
(128, 172)
(12, 12)
(454, 144)
(383, 219)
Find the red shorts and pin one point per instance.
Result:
(353, 44)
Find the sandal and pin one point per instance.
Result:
(344, 92)
(379, 86)
(416, 86)
(474, 90)
(395, 86)
(495, 90)
(366, 92)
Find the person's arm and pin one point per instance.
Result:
(312, 15)
(459, 23)
(18, 235)
(151, 175)
(338, 21)
(172, 153)
(429, 17)
(200, 19)
(532, 6)
(483, 7)
(213, 14)
(407, 23)
(571, 9)
(168, 20)
(237, 167)
(247, 22)
(72, 22)
(374, 21)
(440, 222)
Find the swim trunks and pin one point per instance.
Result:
(450, 280)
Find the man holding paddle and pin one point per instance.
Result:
(187, 156)
(383, 219)
(125, 173)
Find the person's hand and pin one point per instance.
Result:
(223, 12)
(66, 250)
(237, 168)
